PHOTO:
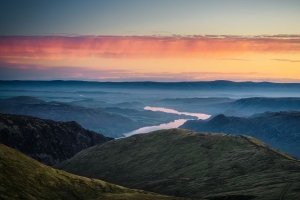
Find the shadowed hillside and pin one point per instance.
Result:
(185, 163)
(47, 141)
(24, 178)
(280, 130)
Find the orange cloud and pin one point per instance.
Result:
(62, 47)
(30, 72)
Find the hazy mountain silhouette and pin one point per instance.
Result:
(108, 124)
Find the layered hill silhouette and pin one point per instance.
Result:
(24, 178)
(133, 110)
(250, 106)
(189, 164)
(200, 85)
(280, 130)
(47, 141)
(232, 107)
(91, 103)
(108, 124)
(147, 117)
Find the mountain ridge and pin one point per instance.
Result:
(47, 141)
(109, 124)
(190, 164)
(281, 130)
(223, 83)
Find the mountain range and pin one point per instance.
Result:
(108, 124)
(231, 107)
(156, 85)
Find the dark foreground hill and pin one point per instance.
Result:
(24, 178)
(280, 130)
(108, 124)
(47, 141)
(198, 165)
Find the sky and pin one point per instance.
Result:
(150, 40)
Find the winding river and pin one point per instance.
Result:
(174, 124)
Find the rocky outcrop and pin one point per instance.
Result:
(47, 141)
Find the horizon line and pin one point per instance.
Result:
(148, 81)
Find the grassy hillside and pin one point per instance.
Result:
(280, 130)
(24, 178)
(198, 165)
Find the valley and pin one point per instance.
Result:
(149, 100)
(206, 140)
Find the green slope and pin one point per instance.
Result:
(280, 130)
(185, 163)
(22, 177)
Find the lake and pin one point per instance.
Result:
(173, 124)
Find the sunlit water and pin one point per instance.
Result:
(168, 110)
(174, 124)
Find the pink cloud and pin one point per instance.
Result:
(60, 47)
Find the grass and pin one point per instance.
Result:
(24, 178)
(184, 163)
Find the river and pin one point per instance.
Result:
(174, 124)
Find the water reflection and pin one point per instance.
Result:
(168, 110)
(147, 129)
(173, 124)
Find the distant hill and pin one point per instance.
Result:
(223, 84)
(108, 124)
(19, 100)
(132, 110)
(231, 107)
(47, 141)
(190, 164)
(91, 103)
(24, 178)
(281, 130)
(196, 101)
(147, 117)
(209, 105)
(254, 105)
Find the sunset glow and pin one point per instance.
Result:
(182, 52)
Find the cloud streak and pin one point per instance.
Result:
(286, 60)
(74, 47)
(33, 72)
